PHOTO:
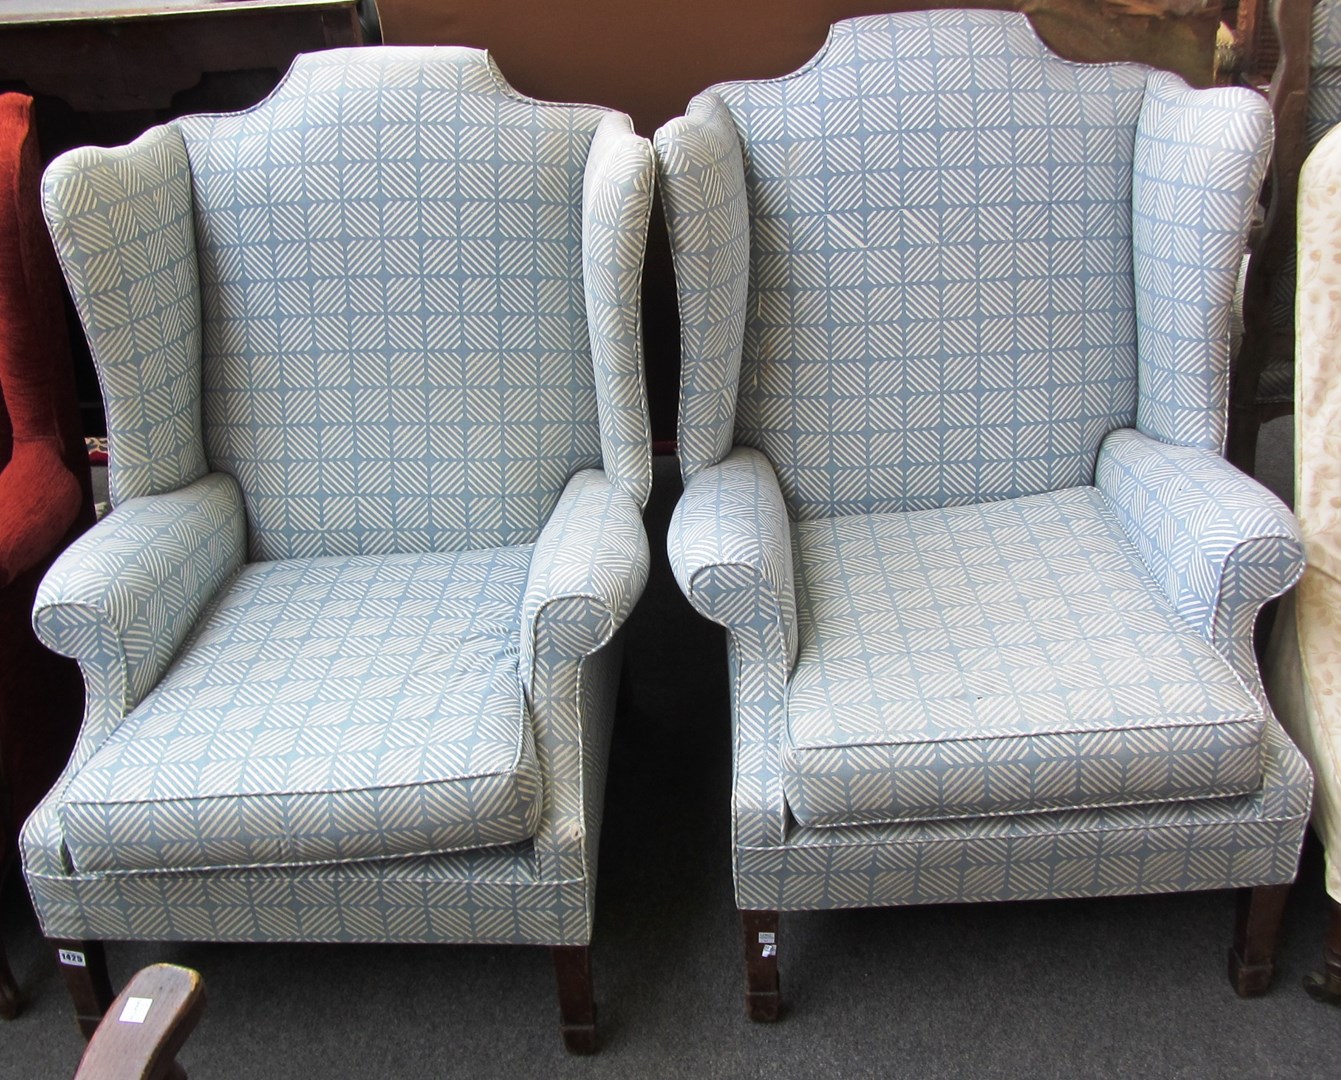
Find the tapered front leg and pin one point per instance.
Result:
(84, 965)
(577, 1003)
(1325, 985)
(759, 930)
(1252, 959)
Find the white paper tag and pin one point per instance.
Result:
(135, 1010)
(767, 938)
(770, 950)
(71, 958)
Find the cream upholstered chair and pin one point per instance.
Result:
(1303, 663)
(955, 319)
(371, 359)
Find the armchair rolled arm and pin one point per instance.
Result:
(123, 597)
(1218, 542)
(731, 547)
(588, 569)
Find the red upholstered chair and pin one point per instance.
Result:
(45, 495)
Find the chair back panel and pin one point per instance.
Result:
(395, 341)
(941, 302)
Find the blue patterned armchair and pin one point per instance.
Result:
(955, 356)
(379, 447)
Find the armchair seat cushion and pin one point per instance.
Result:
(1002, 658)
(324, 710)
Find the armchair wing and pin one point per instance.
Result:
(703, 185)
(122, 222)
(616, 205)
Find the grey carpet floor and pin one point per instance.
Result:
(1124, 987)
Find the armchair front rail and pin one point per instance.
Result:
(379, 447)
(955, 320)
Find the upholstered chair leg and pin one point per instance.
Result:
(1325, 985)
(84, 965)
(1252, 959)
(577, 1005)
(9, 989)
(759, 929)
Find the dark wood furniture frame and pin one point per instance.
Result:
(83, 964)
(1274, 239)
(144, 1046)
(1252, 957)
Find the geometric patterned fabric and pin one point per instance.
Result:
(933, 286)
(944, 294)
(1002, 658)
(1222, 843)
(497, 894)
(129, 257)
(324, 711)
(396, 300)
(1200, 160)
(372, 360)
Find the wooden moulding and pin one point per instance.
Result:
(146, 1027)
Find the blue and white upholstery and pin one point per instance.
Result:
(955, 319)
(379, 449)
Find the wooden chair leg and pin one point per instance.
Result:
(577, 1004)
(1252, 959)
(759, 931)
(9, 989)
(84, 965)
(1325, 985)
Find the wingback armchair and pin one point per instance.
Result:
(955, 358)
(46, 498)
(371, 360)
(1304, 657)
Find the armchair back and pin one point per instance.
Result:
(366, 299)
(966, 262)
